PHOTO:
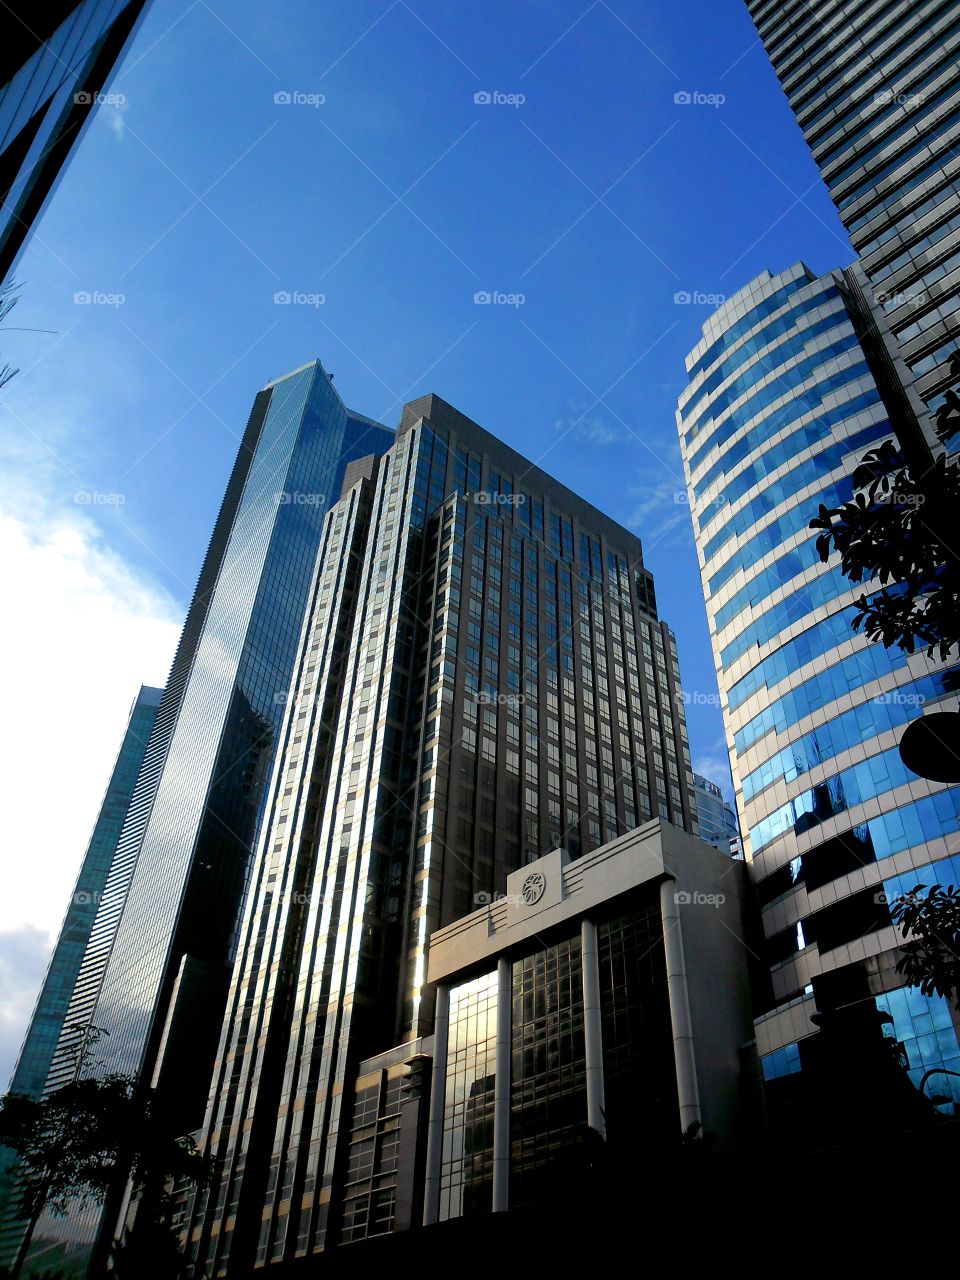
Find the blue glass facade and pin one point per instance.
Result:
(55, 61)
(813, 712)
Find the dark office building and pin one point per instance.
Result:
(55, 60)
(156, 969)
(481, 678)
(875, 88)
(47, 1023)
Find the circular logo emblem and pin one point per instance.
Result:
(533, 888)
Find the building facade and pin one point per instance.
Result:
(716, 819)
(599, 1008)
(481, 677)
(781, 403)
(55, 62)
(155, 972)
(47, 1023)
(876, 90)
(574, 1014)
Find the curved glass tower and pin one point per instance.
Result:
(781, 403)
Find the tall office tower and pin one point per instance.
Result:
(781, 404)
(715, 816)
(55, 61)
(156, 970)
(875, 89)
(481, 677)
(47, 1022)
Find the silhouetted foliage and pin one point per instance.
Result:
(901, 529)
(75, 1143)
(930, 958)
(948, 415)
(8, 300)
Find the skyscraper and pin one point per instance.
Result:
(782, 401)
(55, 61)
(716, 819)
(481, 678)
(156, 969)
(47, 1023)
(875, 89)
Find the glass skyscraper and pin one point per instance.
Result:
(715, 817)
(157, 965)
(781, 403)
(481, 677)
(875, 88)
(47, 1023)
(55, 60)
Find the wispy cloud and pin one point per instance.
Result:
(594, 427)
(658, 511)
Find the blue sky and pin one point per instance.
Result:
(196, 197)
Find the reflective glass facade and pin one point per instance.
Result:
(47, 1022)
(481, 677)
(466, 1172)
(716, 819)
(56, 58)
(875, 89)
(154, 974)
(548, 1141)
(813, 712)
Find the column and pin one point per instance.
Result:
(592, 1032)
(431, 1189)
(688, 1092)
(501, 1088)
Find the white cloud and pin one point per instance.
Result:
(114, 118)
(83, 630)
(23, 962)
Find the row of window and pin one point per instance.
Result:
(853, 786)
(778, 328)
(818, 591)
(792, 410)
(729, 338)
(805, 473)
(779, 386)
(818, 691)
(823, 427)
(883, 712)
